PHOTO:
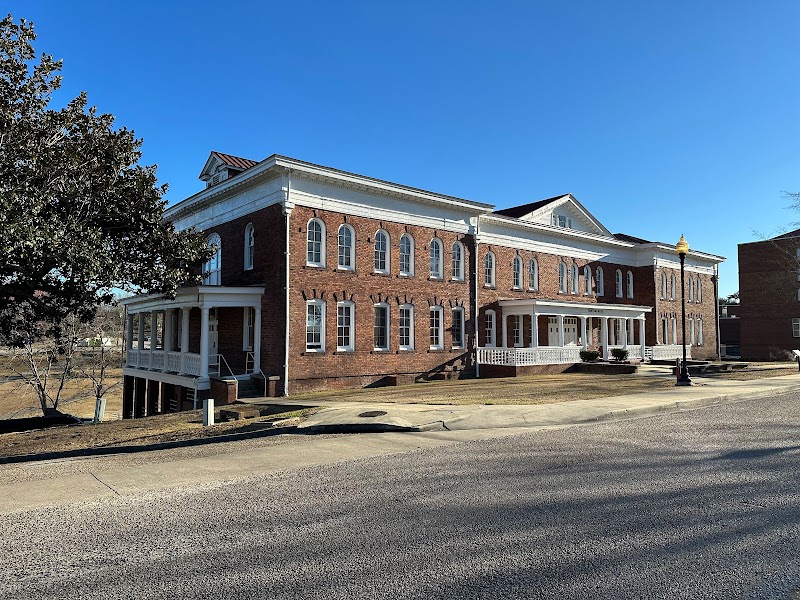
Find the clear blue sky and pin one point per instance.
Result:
(661, 117)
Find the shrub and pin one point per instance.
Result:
(619, 354)
(589, 355)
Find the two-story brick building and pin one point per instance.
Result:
(324, 278)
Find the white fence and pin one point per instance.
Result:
(667, 352)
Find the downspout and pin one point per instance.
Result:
(288, 212)
(477, 305)
(715, 279)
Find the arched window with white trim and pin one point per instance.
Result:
(458, 261)
(600, 283)
(573, 273)
(315, 249)
(346, 248)
(533, 274)
(517, 272)
(381, 251)
(436, 258)
(212, 269)
(488, 271)
(663, 286)
(691, 289)
(587, 281)
(249, 246)
(618, 280)
(698, 296)
(630, 284)
(490, 332)
(406, 255)
(562, 277)
(672, 286)
(436, 314)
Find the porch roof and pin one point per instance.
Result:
(206, 296)
(544, 306)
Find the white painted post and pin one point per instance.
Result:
(140, 331)
(641, 336)
(257, 341)
(624, 332)
(129, 333)
(560, 331)
(604, 336)
(169, 333)
(184, 336)
(153, 335)
(534, 330)
(584, 341)
(505, 331)
(204, 341)
(208, 412)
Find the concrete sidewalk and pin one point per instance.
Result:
(407, 427)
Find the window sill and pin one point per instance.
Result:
(312, 352)
(405, 275)
(405, 350)
(380, 351)
(516, 288)
(489, 287)
(343, 351)
(436, 350)
(431, 278)
(457, 279)
(313, 266)
(381, 274)
(345, 270)
(457, 349)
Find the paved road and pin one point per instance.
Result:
(698, 504)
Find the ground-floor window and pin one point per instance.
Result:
(664, 331)
(406, 327)
(691, 331)
(674, 325)
(381, 327)
(344, 327)
(458, 328)
(315, 326)
(795, 327)
(489, 331)
(436, 327)
(248, 339)
(517, 321)
(699, 332)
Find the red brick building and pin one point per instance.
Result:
(324, 278)
(769, 297)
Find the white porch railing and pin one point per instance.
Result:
(173, 362)
(158, 360)
(544, 355)
(185, 363)
(634, 352)
(668, 352)
(191, 365)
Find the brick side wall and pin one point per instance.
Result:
(768, 285)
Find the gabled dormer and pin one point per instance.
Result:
(220, 167)
(559, 211)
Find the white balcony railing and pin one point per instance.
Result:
(184, 363)
(544, 355)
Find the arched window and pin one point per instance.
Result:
(672, 286)
(346, 248)
(618, 280)
(458, 261)
(630, 284)
(212, 270)
(381, 251)
(491, 321)
(489, 270)
(406, 255)
(698, 296)
(573, 273)
(663, 286)
(562, 278)
(601, 284)
(517, 265)
(436, 259)
(691, 289)
(249, 246)
(587, 280)
(315, 254)
(533, 274)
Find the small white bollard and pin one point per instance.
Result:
(208, 411)
(99, 410)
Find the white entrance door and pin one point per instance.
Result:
(552, 331)
(570, 331)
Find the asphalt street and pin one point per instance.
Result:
(696, 504)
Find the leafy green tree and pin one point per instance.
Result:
(79, 217)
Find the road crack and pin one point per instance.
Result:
(104, 483)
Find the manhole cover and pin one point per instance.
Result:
(373, 413)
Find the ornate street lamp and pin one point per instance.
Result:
(682, 247)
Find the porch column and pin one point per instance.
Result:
(184, 336)
(641, 336)
(204, 341)
(604, 336)
(624, 332)
(583, 333)
(168, 331)
(505, 331)
(561, 331)
(534, 330)
(140, 331)
(129, 332)
(153, 334)
(257, 341)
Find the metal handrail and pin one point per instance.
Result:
(250, 362)
(220, 360)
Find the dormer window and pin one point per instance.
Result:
(562, 221)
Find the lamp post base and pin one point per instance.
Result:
(684, 382)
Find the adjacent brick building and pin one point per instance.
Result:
(325, 279)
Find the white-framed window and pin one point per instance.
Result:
(672, 286)
(587, 281)
(345, 326)
(517, 270)
(406, 327)
(691, 289)
(575, 284)
(315, 238)
(490, 337)
(406, 255)
(315, 326)
(381, 327)
(630, 284)
(436, 258)
(664, 331)
(346, 248)
(489, 269)
(212, 269)
(601, 284)
(458, 261)
(618, 280)
(516, 321)
(673, 323)
(381, 251)
(691, 331)
(436, 326)
(795, 327)
(698, 295)
(249, 246)
(663, 286)
(562, 221)
(562, 277)
(457, 330)
(699, 332)
(249, 329)
(533, 274)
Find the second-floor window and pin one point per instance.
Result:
(489, 269)
(630, 284)
(562, 278)
(436, 259)
(458, 261)
(213, 268)
(315, 251)
(517, 266)
(533, 274)
(346, 244)
(618, 280)
(381, 251)
(406, 255)
(249, 246)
